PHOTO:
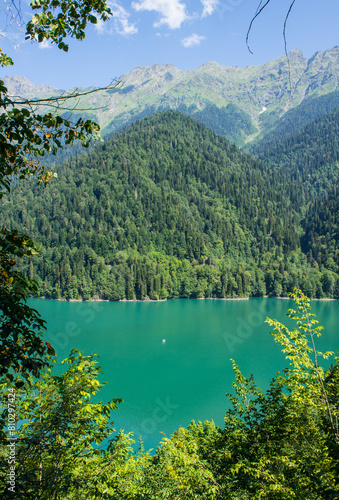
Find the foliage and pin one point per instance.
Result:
(25, 136)
(321, 238)
(179, 470)
(66, 446)
(169, 209)
(21, 347)
(56, 20)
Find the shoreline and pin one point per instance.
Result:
(147, 300)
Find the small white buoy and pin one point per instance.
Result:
(163, 341)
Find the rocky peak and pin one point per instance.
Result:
(21, 86)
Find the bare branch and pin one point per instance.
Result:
(285, 24)
(50, 101)
(259, 11)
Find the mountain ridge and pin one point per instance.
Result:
(261, 94)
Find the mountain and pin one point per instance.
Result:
(240, 103)
(295, 119)
(309, 155)
(166, 208)
(21, 86)
(321, 236)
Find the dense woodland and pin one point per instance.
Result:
(168, 209)
(309, 110)
(309, 156)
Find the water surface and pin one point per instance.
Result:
(165, 385)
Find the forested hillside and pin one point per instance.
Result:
(309, 156)
(321, 238)
(166, 209)
(293, 120)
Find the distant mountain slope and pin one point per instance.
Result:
(295, 119)
(321, 239)
(310, 155)
(21, 86)
(258, 95)
(167, 208)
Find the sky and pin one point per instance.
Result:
(186, 33)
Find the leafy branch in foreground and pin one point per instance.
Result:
(55, 20)
(25, 137)
(66, 446)
(21, 347)
(299, 345)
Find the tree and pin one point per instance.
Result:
(66, 447)
(22, 349)
(284, 444)
(179, 470)
(26, 136)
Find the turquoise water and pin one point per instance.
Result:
(165, 385)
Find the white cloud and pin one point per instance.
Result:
(192, 40)
(45, 44)
(173, 12)
(209, 7)
(119, 20)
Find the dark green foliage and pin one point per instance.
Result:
(56, 20)
(309, 156)
(21, 346)
(321, 239)
(297, 118)
(166, 209)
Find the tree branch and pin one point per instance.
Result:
(48, 101)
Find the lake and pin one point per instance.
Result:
(167, 384)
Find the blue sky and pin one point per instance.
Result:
(186, 33)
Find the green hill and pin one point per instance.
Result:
(321, 239)
(309, 156)
(167, 208)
